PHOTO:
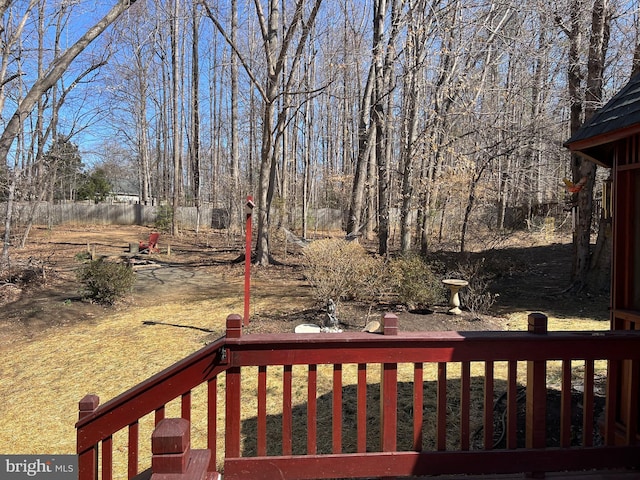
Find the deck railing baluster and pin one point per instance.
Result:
(185, 409)
(262, 411)
(312, 410)
(418, 405)
(159, 414)
(362, 408)
(465, 405)
(133, 449)
(107, 458)
(212, 421)
(565, 405)
(512, 405)
(336, 413)
(588, 404)
(488, 405)
(441, 408)
(287, 414)
(631, 420)
(613, 382)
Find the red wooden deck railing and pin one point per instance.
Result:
(423, 447)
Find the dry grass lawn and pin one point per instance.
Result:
(44, 373)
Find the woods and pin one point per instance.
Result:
(451, 113)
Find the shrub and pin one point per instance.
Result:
(476, 296)
(164, 218)
(105, 282)
(415, 282)
(343, 270)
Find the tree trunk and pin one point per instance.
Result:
(365, 139)
(581, 168)
(195, 112)
(235, 206)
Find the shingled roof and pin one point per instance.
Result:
(619, 118)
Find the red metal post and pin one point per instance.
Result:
(248, 210)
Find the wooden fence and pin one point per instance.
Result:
(84, 213)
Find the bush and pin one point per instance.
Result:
(476, 296)
(164, 218)
(415, 282)
(105, 282)
(342, 270)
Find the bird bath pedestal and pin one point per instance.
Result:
(454, 285)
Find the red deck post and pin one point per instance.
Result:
(170, 446)
(389, 392)
(234, 326)
(536, 389)
(88, 460)
(232, 392)
(172, 455)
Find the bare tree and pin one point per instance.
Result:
(275, 52)
(39, 88)
(582, 107)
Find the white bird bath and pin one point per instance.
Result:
(454, 285)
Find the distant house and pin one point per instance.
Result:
(125, 190)
(611, 138)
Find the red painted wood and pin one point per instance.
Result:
(632, 395)
(362, 408)
(512, 405)
(151, 394)
(290, 349)
(171, 446)
(588, 404)
(336, 425)
(312, 410)
(159, 415)
(465, 405)
(107, 458)
(212, 422)
(413, 347)
(389, 407)
(261, 442)
(172, 435)
(386, 464)
(88, 454)
(536, 422)
(565, 405)
(233, 413)
(234, 326)
(441, 408)
(488, 405)
(133, 449)
(418, 405)
(613, 388)
(287, 413)
(88, 464)
(186, 406)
